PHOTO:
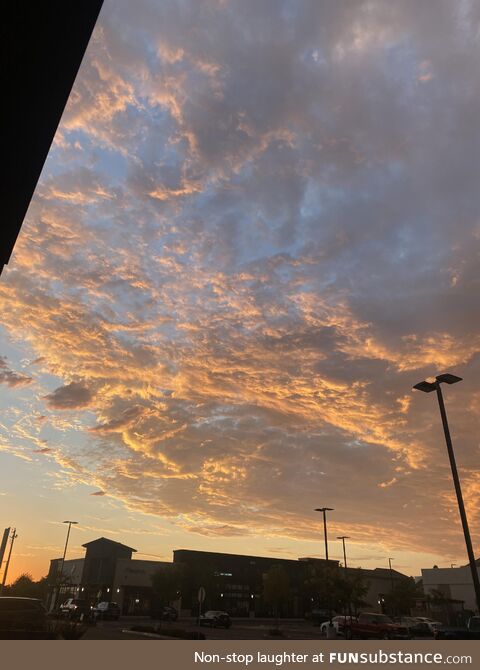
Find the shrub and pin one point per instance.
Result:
(169, 632)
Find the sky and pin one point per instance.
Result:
(257, 227)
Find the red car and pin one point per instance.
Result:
(376, 626)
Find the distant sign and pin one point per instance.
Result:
(201, 594)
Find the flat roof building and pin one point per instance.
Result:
(233, 582)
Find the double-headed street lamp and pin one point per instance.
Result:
(428, 387)
(324, 510)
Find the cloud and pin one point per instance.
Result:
(71, 396)
(98, 493)
(257, 229)
(128, 416)
(11, 378)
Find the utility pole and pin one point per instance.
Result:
(13, 537)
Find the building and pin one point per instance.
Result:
(454, 584)
(232, 582)
(107, 572)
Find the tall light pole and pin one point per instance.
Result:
(324, 510)
(343, 538)
(70, 524)
(428, 387)
(391, 572)
(60, 573)
(13, 537)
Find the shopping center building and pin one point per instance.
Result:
(233, 582)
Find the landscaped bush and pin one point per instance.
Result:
(144, 629)
(70, 630)
(184, 634)
(169, 632)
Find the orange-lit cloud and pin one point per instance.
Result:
(247, 245)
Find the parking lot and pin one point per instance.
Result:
(242, 629)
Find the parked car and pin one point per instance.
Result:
(470, 632)
(431, 624)
(169, 613)
(376, 626)
(318, 616)
(76, 608)
(474, 623)
(165, 613)
(338, 623)
(22, 614)
(107, 610)
(418, 626)
(215, 619)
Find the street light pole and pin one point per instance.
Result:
(428, 387)
(70, 524)
(343, 538)
(60, 572)
(391, 573)
(324, 510)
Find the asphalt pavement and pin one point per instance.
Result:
(241, 629)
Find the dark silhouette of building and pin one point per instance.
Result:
(107, 573)
(99, 567)
(43, 44)
(232, 582)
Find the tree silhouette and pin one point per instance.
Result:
(276, 589)
(25, 587)
(402, 597)
(166, 585)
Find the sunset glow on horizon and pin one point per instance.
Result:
(257, 228)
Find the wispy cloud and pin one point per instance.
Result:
(256, 231)
(11, 378)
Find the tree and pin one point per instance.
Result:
(327, 587)
(358, 589)
(319, 585)
(276, 589)
(166, 585)
(23, 586)
(402, 597)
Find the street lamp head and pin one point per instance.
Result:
(73, 523)
(324, 509)
(343, 537)
(426, 387)
(448, 378)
